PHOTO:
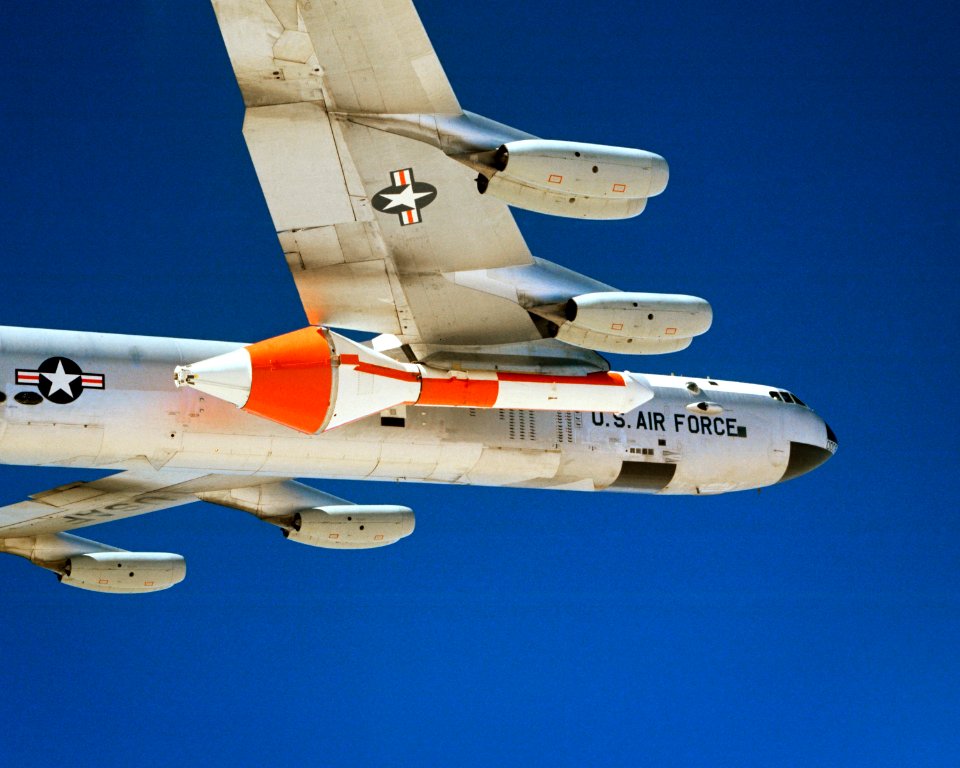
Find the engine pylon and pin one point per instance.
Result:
(314, 380)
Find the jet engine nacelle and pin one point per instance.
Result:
(634, 323)
(565, 178)
(124, 572)
(350, 526)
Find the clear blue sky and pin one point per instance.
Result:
(813, 200)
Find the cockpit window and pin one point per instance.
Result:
(786, 397)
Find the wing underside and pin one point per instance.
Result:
(125, 494)
(378, 226)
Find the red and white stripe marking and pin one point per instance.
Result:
(87, 380)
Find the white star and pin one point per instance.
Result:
(60, 380)
(407, 197)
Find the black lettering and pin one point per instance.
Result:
(732, 427)
(658, 422)
(677, 420)
(718, 426)
(597, 418)
(618, 420)
(693, 424)
(641, 422)
(88, 513)
(123, 506)
(705, 425)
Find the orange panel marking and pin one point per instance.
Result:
(292, 380)
(670, 331)
(378, 370)
(389, 373)
(477, 394)
(619, 187)
(616, 326)
(378, 537)
(555, 178)
(333, 535)
(601, 379)
(148, 584)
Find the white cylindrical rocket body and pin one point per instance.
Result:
(314, 380)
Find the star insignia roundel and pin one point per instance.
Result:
(405, 197)
(60, 380)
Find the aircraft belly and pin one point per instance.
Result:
(241, 453)
(293, 456)
(51, 443)
(500, 465)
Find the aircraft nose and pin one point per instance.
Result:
(805, 457)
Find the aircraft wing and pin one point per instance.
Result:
(125, 494)
(374, 224)
(35, 529)
(137, 492)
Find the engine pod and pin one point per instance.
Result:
(640, 315)
(124, 572)
(351, 526)
(590, 170)
(633, 323)
(572, 179)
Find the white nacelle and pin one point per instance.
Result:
(565, 178)
(351, 526)
(124, 572)
(634, 323)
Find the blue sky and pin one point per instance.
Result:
(812, 200)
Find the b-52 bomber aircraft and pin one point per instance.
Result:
(391, 206)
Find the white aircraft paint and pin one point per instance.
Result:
(377, 183)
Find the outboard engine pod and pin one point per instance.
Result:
(566, 178)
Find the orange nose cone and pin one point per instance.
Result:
(291, 379)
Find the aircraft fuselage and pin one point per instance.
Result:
(118, 409)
